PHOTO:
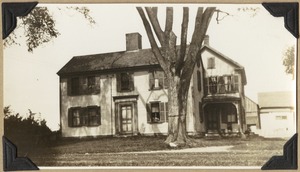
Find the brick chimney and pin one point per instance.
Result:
(206, 40)
(133, 41)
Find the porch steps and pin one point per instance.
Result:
(212, 134)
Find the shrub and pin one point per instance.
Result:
(24, 132)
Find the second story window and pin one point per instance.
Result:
(211, 63)
(157, 80)
(124, 82)
(83, 85)
(91, 82)
(222, 84)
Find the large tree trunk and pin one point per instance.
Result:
(177, 110)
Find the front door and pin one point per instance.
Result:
(213, 117)
(126, 119)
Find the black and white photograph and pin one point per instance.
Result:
(153, 86)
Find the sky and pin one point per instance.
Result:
(30, 80)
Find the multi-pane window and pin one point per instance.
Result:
(124, 82)
(211, 63)
(157, 80)
(83, 85)
(281, 117)
(91, 82)
(84, 116)
(157, 112)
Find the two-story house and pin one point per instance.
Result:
(224, 99)
(120, 93)
(125, 93)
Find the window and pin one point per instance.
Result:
(212, 84)
(124, 82)
(83, 85)
(229, 113)
(281, 117)
(222, 84)
(84, 116)
(157, 112)
(211, 63)
(157, 80)
(199, 80)
(91, 82)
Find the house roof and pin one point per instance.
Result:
(228, 60)
(109, 61)
(124, 60)
(275, 99)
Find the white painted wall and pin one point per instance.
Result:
(273, 126)
(104, 99)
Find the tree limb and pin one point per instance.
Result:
(184, 28)
(169, 20)
(154, 46)
(152, 14)
(201, 25)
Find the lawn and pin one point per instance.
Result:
(123, 151)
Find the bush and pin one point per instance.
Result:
(24, 132)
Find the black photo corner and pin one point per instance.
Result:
(10, 12)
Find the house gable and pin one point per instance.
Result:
(229, 66)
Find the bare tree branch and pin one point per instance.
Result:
(155, 49)
(184, 28)
(201, 25)
(169, 20)
(218, 18)
(152, 14)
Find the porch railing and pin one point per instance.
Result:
(226, 84)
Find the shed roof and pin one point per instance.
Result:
(280, 99)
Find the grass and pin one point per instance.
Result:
(116, 151)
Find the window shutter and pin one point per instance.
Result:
(151, 80)
(131, 82)
(200, 111)
(167, 111)
(236, 82)
(162, 112)
(70, 117)
(99, 114)
(199, 80)
(148, 108)
(97, 85)
(118, 76)
(160, 76)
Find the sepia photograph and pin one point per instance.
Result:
(149, 85)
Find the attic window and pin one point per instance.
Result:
(211, 63)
